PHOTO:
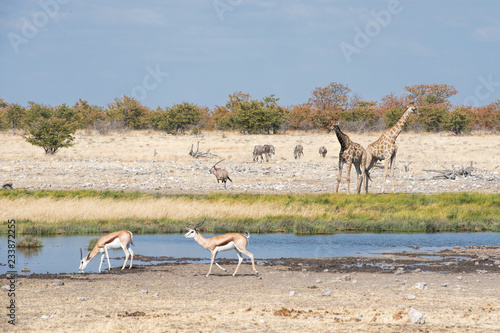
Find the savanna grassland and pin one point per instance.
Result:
(147, 182)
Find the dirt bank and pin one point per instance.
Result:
(457, 293)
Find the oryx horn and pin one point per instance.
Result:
(217, 163)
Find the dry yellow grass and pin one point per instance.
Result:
(421, 148)
(56, 210)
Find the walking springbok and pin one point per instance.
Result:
(221, 243)
(115, 240)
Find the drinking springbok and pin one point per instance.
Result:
(221, 243)
(115, 240)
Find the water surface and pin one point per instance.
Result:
(61, 254)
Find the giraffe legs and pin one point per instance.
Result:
(349, 165)
(393, 159)
(389, 164)
(339, 176)
(371, 160)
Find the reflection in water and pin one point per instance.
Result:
(62, 254)
(29, 251)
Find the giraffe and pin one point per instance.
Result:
(385, 148)
(350, 153)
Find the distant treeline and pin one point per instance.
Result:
(242, 113)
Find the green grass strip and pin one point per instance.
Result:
(337, 213)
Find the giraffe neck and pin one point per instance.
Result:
(344, 140)
(393, 132)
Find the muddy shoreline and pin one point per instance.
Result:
(471, 259)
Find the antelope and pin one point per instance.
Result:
(220, 174)
(115, 240)
(222, 243)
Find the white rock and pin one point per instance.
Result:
(416, 316)
(326, 292)
(421, 285)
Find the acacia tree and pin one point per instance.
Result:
(130, 111)
(178, 118)
(50, 128)
(327, 104)
(432, 102)
(299, 117)
(87, 114)
(15, 116)
(425, 94)
(251, 116)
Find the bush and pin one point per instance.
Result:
(29, 242)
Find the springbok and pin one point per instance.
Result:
(221, 243)
(115, 240)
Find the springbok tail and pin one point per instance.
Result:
(246, 234)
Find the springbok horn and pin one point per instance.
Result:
(199, 224)
(81, 254)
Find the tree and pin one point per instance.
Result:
(333, 96)
(51, 128)
(251, 116)
(300, 117)
(16, 116)
(327, 104)
(361, 111)
(178, 118)
(488, 116)
(87, 114)
(425, 94)
(130, 111)
(275, 114)
(460, 120)
(433, 118)
(222, 118)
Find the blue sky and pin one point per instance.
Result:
(168, 52)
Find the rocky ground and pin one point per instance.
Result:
(131, 162)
